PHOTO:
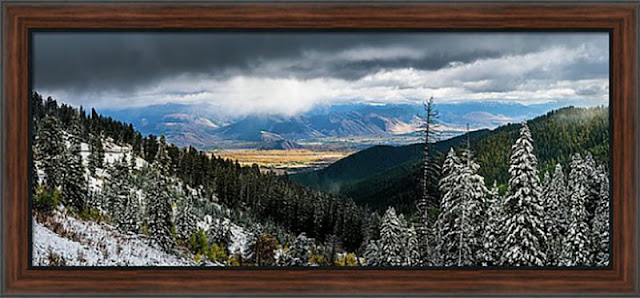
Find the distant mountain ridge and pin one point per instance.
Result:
(205, 127)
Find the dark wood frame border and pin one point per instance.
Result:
(619, 19)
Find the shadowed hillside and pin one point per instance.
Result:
(386, 175)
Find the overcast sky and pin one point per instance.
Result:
(291, 72)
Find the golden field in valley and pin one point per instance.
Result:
(282, 161)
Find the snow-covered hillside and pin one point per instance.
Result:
(64, 240)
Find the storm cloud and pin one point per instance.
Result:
(289, 72)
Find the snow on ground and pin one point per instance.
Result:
(88, 243)
(112, 153)
(238, 240)
(85, 151)
(239, 236)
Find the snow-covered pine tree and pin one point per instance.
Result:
(96, 157)
(462, 212)
(112, 189)
(159, 196)
(493, 234)
(556, 206)
(372, 254)
(74, 183)
(123, 206)
(450, 168)
(130, 221)
(220, 231)
(412, 251)
(525, 234)
(299, 252)
(94, 199)
(50, 149)
(162, 161)
(475, 200)
(428, 200)
(494, 192)
(402, 221)
(600, 225)
(391, 234)
(546, 182)
(186, 217)
(577, 243)
(446, 225)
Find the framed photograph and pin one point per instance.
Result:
(329, 148)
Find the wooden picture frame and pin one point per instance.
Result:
(618, 19)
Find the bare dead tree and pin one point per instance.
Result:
(430, 172)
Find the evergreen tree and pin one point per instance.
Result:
(446, 225)
(461, 218)
(373, 255)
(577, 244)
(493, 234)
(95, 200)
(130, 220)
(159, 195)
(412, 251)
(450, 169)
(391, 234)
(557, 211)
(96, 158)
(546, 182)
(186, 217)
(474, 214)
(162, 161)
(525, 242)
(74, 184)
(300, 251)
(122, 202)
(50, 148)
(600, 225)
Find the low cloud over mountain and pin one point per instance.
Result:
(241, 74)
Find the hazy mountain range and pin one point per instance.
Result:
(205, 127)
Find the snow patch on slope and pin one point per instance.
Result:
(88, 243)
(238, 241)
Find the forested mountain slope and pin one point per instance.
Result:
(180, 198)
(389, 176)
(371, 162)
